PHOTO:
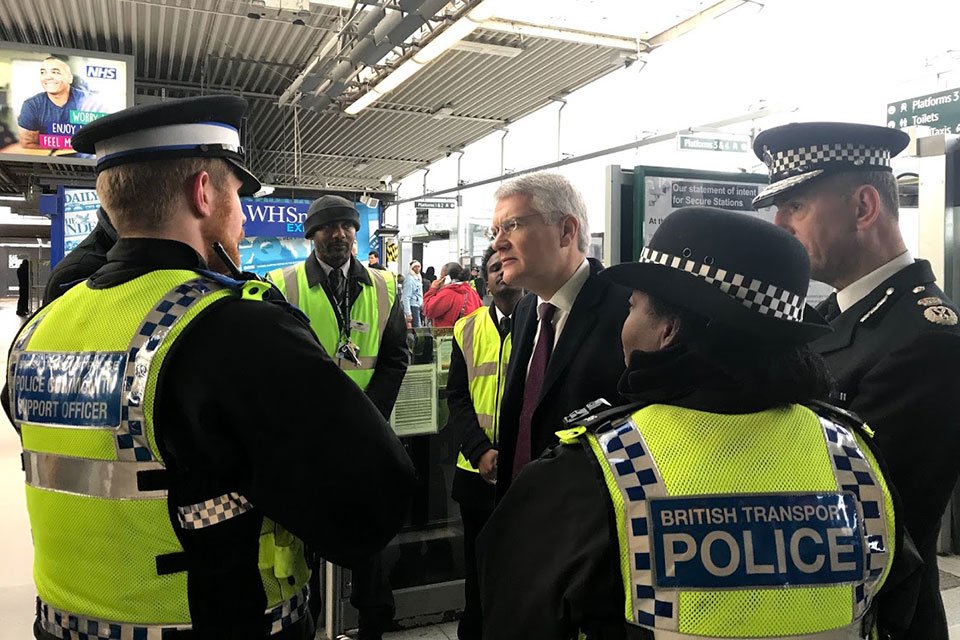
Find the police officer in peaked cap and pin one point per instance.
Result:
(726, 500)
(174, 468)
(895, 349)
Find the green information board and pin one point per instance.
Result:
(940, 111)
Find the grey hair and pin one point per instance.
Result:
(553, 196)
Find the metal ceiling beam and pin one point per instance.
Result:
(199, 88)
(693, 22)
(399, 108)
(337, 156)
(560, 33)
(663, 137)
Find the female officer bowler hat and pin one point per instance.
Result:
(734, 269)
(204, 127)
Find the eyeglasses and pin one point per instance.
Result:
(509, 226)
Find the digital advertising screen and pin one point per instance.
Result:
(48, 94)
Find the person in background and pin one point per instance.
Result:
(450, 297)
(413, 296)
(650, 520)
(48, 112)
(23, 288)
(86, 258)
(190, 494)
(566, 332)
(373, 261)
(428, 276)
(478, 370)
(895, 349)
(357, 314)
(478, 282)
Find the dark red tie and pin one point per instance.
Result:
(538, 367)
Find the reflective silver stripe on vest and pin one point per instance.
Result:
(87, 477)
(854, 474)
(383, 299)
(62, 624)
(474, 370)
(850, 632)
(639, 478)
(485, 420)
(366, 362)
(130, 438)
(291, 285)
(213, 511)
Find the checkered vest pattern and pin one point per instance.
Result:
(645, 458)
(88, 367)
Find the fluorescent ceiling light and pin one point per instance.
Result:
(447, 38)
(20, 198)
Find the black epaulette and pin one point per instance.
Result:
(598, 413)
(844, 417)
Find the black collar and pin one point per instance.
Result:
(315, 274)
(132, 257)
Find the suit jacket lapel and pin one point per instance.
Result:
(582, 318)
(524, 328)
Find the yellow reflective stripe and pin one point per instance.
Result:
(112, 479)
(366, 362)
(383, 299)
(619, 511)
(290, 285)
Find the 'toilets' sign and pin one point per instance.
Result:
(939, 111)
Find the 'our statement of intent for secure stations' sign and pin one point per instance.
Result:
(756, 540)
(68, 389)
(939, 111)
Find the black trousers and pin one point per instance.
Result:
(372, 597)
(471, 622)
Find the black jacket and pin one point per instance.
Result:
(248, 401)
(549, 556)
(585, 365)
(84, 260)
(469, 489)
(901, 373)
(394, 354)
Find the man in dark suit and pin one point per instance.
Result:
(895, 350)
(566, 331)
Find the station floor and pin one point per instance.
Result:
(16, 583)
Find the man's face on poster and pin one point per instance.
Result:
(55, 76)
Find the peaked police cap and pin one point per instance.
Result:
(204, 127)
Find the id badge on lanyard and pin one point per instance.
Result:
(346, 349)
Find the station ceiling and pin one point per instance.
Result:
(530, 53)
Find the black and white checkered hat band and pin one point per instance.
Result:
(757, 296)
(793, 162)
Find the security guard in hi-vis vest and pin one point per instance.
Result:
(354, 310)
(895, 347)
(725, 501)
(357, 314)
(478, 373)
(171, 483)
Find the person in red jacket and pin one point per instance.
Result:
(450, 297)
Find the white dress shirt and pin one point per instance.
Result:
(563, 300)
(345, 267)
(857, 291)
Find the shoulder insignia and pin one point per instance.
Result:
(886, 296)
(929, 302)
(919, 289)
(835, 413)
(940, 315)
(580, 415)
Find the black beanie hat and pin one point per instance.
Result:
(329, 209)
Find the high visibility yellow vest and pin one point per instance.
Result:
(83, 377)
(772, 524)
(368, 315)
(486, 357)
